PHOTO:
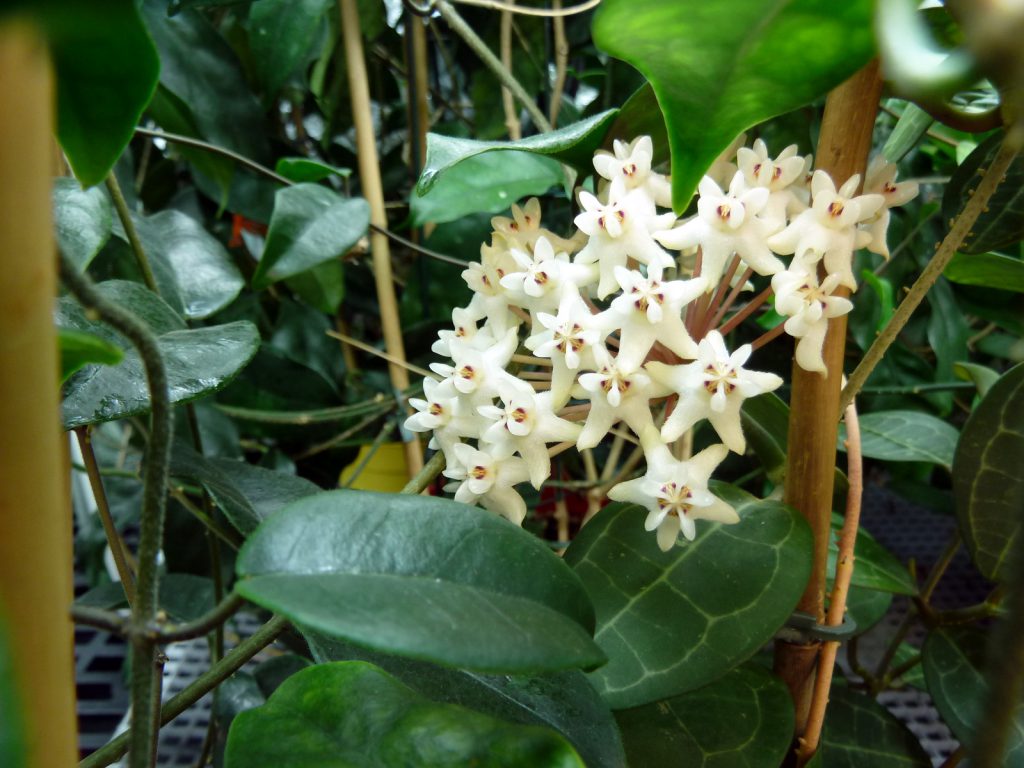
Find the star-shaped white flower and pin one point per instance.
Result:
(724, 167)
(523, 230)
(567, 339)
(615, 393)
(478, 375)
(724, 225)
(809, 307)
(464, 331)
(881, 179)
(676, 493)
(828, 229)
(650, 310)
(777, 176)
(714, 387)
(486, 478)
(628, 167)
(446, 417)
(542, 277)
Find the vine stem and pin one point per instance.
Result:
(961, 229)
(808, 744)
(373, 191)
(154, 501)
(129, 229)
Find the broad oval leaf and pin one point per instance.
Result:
(1001, 224)
(79, 349)
(82, 218)
(719, 67)
(987, 480)
(991, 270)
(875, 567)
(281, 34)
(310, 225)
(954, 664)
(487, 183)
(564, 701)
(351, 713)
(300, 169)
(674, 621)
(866, 607)
(573, 144)
(743, 719)
(905, 436)
(420, 577)
(861, 732)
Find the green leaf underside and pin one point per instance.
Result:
(861, 733)
(354, 715)
(1001, 224)
(674, 621)
(82, 219)
(247, 494)
(987, 481)
(719, 68)
(106, 69)
(954, 664)
(741, 720)
(564, 701)
(990, 270)
(573, 144)
(914, 676)
(302, 169)
(183, 596)
(875, 567)
(866, 607)
(423, 577)
(905, 436)
(488, 183)
(78, 349)
(199, 362)
(310, 225)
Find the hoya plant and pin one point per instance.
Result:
(523, 369)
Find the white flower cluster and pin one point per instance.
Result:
(616, 328)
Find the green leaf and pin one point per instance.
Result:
(488, 182)
(861, 732)
(177, 6)
(720, 67)
(641, 116)
(743, 719)
(13, 746)
(1001, 224)
(905, 436)
(420, 577)
(947, 333)
(914, 676)
(875, 567)
(246, 494)
(954, 668)
(351, 714)
(199, 362)
(183, 596)
(303, 169)
(674, 621)
(270, 674)
(991, 270)
(982, 376)
(564, 701)
(78, 349)
(82, 218)
(106, 70)
(573, 144)
(322, 287)
(194, 272)
(281, 34)
(987, 480)
(867, 607)
(310, 225)
(912, 125)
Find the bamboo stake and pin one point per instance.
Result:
(35, 549)
(369, 176)
(814, 414)
(508, 102)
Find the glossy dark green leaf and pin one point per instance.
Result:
(564, 701)
(420, 577)
(310, 225)
(303, 169)
(82, 218)
(1001, 224)
(674, 621)
(987, 479)
(106, 70)
(722, 66)
(271, 673)
(183, 596)
(905, 436)
(867, 607)
(199, 362)
(351, 714)
(281, 34)
(79, 349)
(193, 270)
(13, 747)
(573, 144)
(861, 733)
(177, 6)
(322, 287)
(954, 668)
(742, 720)
(991, 270)
(484, 182)
(641, 116)
(875, 567)
(914, 677)
(245, 493)
(947, 334)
